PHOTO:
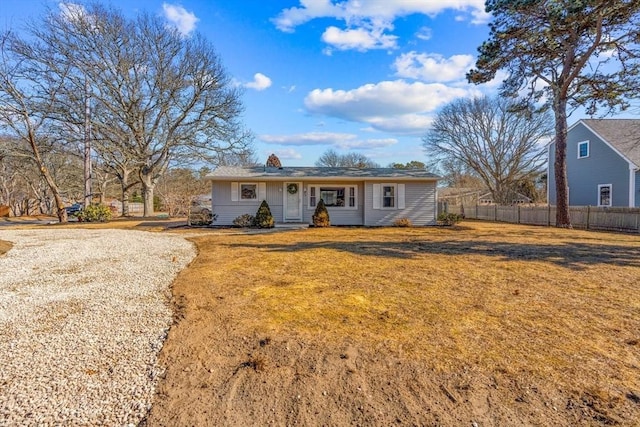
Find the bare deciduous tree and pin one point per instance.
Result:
(333, 159)
(156, 96)
(31, 81)
(500, 144)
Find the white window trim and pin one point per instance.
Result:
(236, 193)
(398, 194)
(346, 187)
(600, 186)
(395, 197)
(588, 149)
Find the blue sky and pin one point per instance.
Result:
(350, 75)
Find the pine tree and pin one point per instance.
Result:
(321, 215)
(264, 219)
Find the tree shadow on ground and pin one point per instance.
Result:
(568, 255)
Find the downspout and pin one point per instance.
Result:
(632, 185)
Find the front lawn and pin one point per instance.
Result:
(548, 317)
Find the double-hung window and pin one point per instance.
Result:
(388, 196)
(583, 149)
(604, 194)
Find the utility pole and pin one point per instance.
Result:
(87, 145)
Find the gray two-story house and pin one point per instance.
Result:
(603, 163)
(353, 196)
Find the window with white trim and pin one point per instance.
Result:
(583, 149)
(334, 196)
(388, 196)
(248, 191)
(605, 194)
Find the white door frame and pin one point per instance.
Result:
(285, 195)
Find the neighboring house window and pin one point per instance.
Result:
(583, 149)
(334, 196)
(248, 191)
(604, 195)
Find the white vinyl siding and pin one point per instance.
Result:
(418, 204)
(227, 209)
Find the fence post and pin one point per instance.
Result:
(518, 206)
(588, 215)
(548, 214)
(495, 212)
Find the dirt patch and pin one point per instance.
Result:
(4, 247)
(493, 325)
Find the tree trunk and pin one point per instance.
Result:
(125, 201)
(148, 185)
(560, 165)
(88, 196)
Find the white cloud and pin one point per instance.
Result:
(480, 17)
(424, 33)
(343, 141)
(391, 106)
(367, 144)
(433, 67)
(72, 11)
(260, 82)
(361, 39)
(290, 18)
(178, 16)
(310, 138)
(355, 11)
(287, 153)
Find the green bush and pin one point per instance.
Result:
(264, 219)
(94, 213)
(244, 221)
(321, 215)
(448, 218)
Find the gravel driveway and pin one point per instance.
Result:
(83, 314)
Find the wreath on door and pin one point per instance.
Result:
(292, 188)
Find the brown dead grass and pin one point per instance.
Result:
(533, 305)
(559, 304)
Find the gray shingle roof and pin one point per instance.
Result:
(623, 134)
(227, 173)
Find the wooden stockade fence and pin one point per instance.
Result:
(587, 217)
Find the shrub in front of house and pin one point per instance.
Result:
(403, 222)
(448, 218)
(321, 215)
(264, 219)
(94, 213)
(244, 221)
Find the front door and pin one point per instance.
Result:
(292, 201)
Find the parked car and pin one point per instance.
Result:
(74, 208)
(200, 215)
